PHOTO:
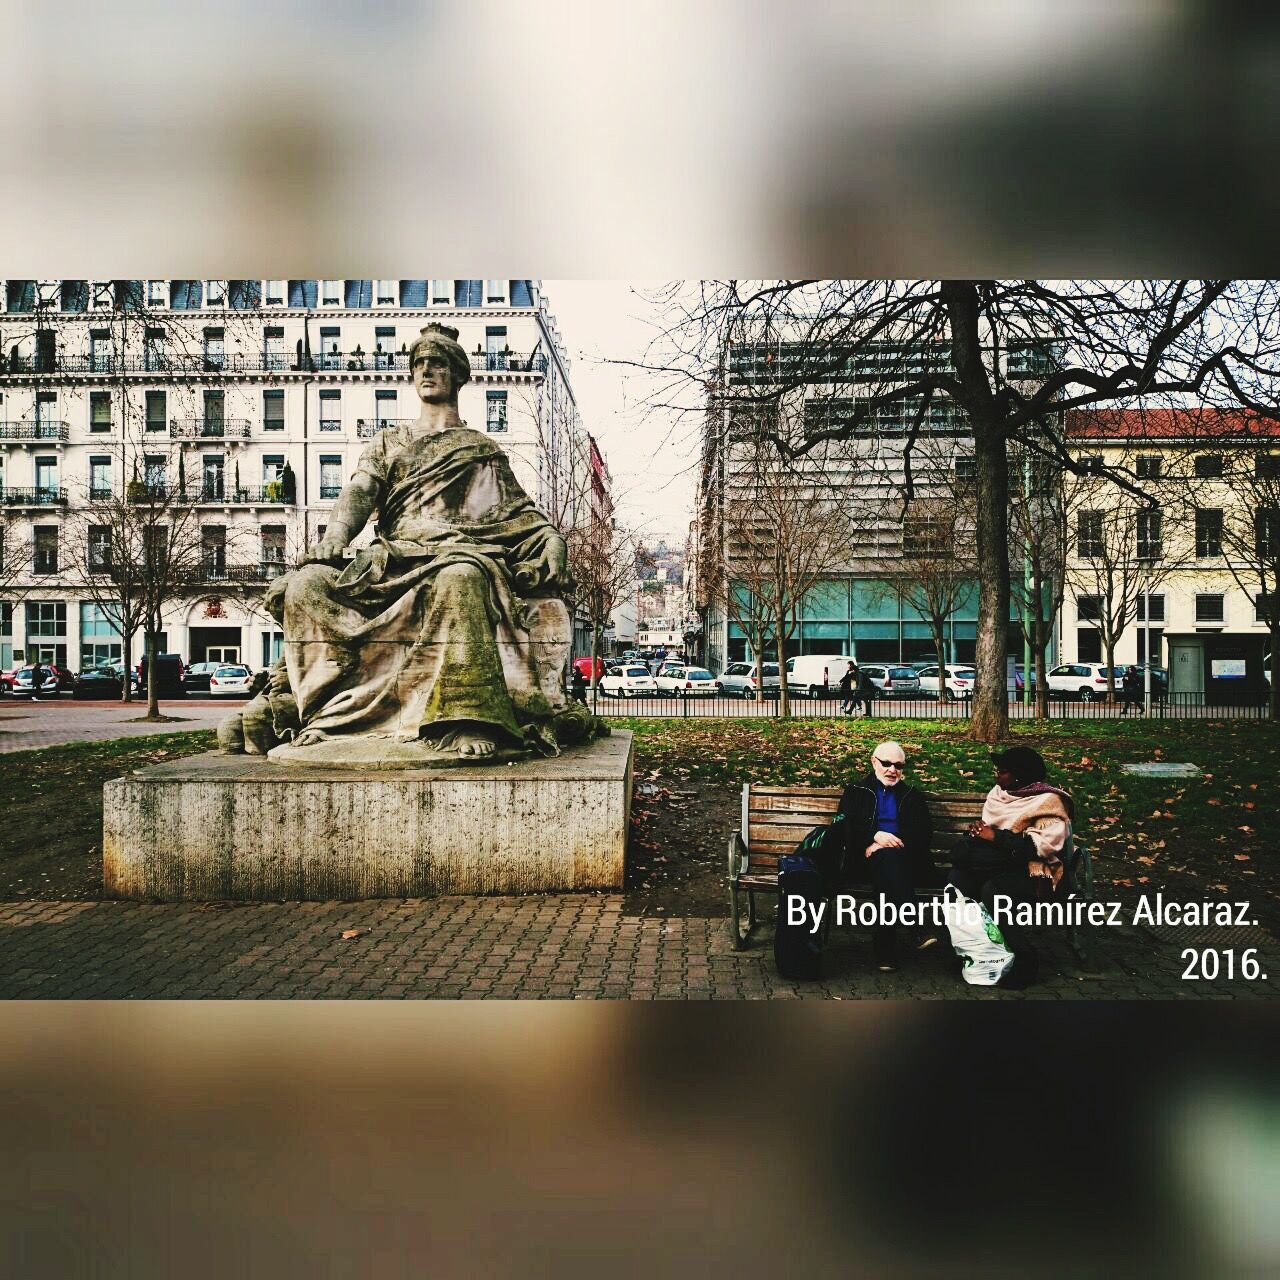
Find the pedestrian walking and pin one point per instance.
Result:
(38, 676)
(1131, 688)
(848, 682)
(579, 686)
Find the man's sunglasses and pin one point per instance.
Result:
(900, 765)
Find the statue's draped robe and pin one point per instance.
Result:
(422, 634)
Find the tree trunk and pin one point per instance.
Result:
(1110, 651)
(784, 695)
(153, 697)
(1273, 689)
(990, 719)
(126, 651)
(1039, 642)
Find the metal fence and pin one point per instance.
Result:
(1173, 706)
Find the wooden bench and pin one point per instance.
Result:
(775, 819)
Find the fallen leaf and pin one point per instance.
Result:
(1146, 862)
(1242, 857)
(351, 933)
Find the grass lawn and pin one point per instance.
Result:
(1194, 838)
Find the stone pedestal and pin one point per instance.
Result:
(235, 827)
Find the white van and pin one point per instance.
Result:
(817, 674)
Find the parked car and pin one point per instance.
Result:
(743, 679)
(98, 682)
(7, 678)
(1086, 680)
(195, 679)
(956, 681)
(55, 680)
(817, 674)
(584, 665)
(892, 682)
(230, 680)
(631, 680)
(681, 680)
(168, 676)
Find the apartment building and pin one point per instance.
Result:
(256, 396)
(1192, 563)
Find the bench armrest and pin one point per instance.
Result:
(738, 857)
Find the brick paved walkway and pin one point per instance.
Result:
(572, 946)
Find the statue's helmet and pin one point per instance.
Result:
(441, 340)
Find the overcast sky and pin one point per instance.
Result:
(652, 455)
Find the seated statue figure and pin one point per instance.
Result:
(447, 638)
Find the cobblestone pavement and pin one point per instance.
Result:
(26, 726)
(571, 946)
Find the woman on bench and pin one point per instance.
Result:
(1020, 850)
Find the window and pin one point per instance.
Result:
(1266, 533)
(1149, 527)
(155, 548)
(925, 536)
(46, 410)
(99, 640)
(1157, 607)
(495, 411)
(212, 480)
(157, 293)
(100, 359)
(385, 292)
(129, 295)
(273, 410)
(1090, 465)
(302, 293)
(276, 293)
(495, 342)
(384, 407)
(1088, 648)
(331, 347)
(966, 468)
(154, 354)
(495, 291)
(466, 293)
(245, 295)
(99, 478)
(156, 469)
(21, 296)
(273, 544)
(99, 548)
(46, 618)
(413, 293)
(1208, 531)
(75, 295)
(330, 475)
(99, 410)
(214, 350)
(384, 347)
(185, 295)
(213, 550)
(273, 356)
(45, 549)
(330, 293)
(441, 292)
(1089, 534)
(1089, 608)
(1150, 466)
(272, 466)
(101, 295)
(359, 293)
(331, 410)
(155, 410)
(521, 293)
(1208, 465)
(1266, 466)
(215, 410)
(1210, 607)
(215, 293)
(47, 476)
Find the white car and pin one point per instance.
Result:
(631, 680)
(1086, 680)
(230, 682)
(682, 680)
(742, 679)
(958, 681)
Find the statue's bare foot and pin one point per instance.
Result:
(474, 746)
(308, 738)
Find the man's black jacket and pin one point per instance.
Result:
(856, 822)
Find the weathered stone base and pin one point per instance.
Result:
(241, 828)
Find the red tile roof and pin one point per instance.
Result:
(1169, 424)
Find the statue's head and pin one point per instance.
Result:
(440, 342)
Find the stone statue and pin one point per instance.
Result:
(444, 641)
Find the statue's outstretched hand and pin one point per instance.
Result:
(325, 551)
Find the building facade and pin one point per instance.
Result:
(257, 396)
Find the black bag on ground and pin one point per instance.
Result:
(797, 949)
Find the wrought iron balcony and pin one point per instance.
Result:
(97, 493)
(330, 490)
(228, 495)
(508, 362)
(233, 574)
(209, 428)
(45, 430)
(44, 496)
(366, 428)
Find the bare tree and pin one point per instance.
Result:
(602, 560)
(1009, 357)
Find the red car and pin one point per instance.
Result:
(584, 665)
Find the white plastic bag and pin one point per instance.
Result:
(977, 939)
